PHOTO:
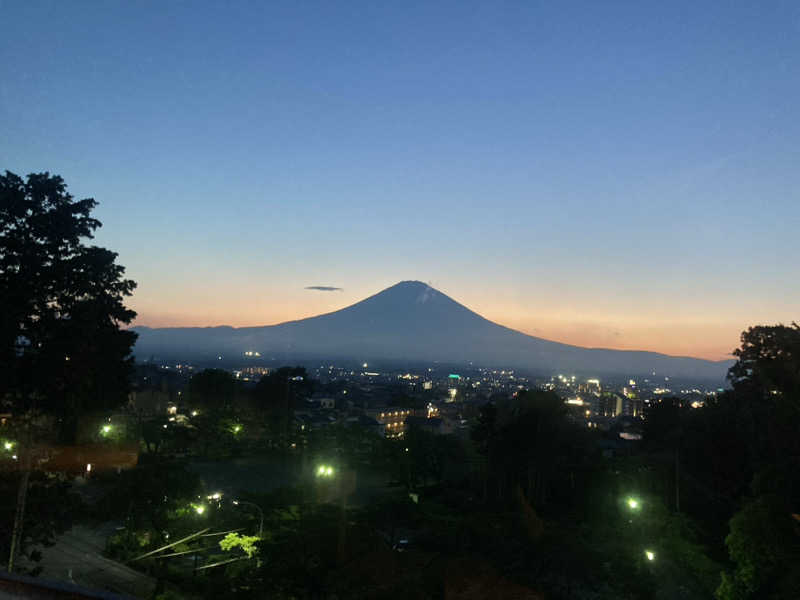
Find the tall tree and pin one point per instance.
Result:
(278, 394)
(213, 392)
(62, 347)
(764, 539)
(212, 389)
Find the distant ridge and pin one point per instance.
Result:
(411, 321)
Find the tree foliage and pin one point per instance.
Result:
(764, 542)
(247, 543)
(764, 539)
(528, 442)
(212, 389)
(62, 348)
(278, 394)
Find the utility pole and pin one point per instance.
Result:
(677, 480)
(22, 493)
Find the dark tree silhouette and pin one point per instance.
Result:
(214, 393)
(62, 347)
(278, 394)
(764, 539)
(212, 389)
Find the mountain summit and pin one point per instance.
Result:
(411, 321)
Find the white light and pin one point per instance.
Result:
(88, 467)
(650, 554)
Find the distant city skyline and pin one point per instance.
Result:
(618, 176)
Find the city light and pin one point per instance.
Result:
(199, 509)
(105, 429)
(8, 445)
(650, 555)
(237, 428)
(633, 503)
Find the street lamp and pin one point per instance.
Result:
(199, 508)
(633, 503)
(260, 514)
(651, 556)
(325, 471)
(105, 429)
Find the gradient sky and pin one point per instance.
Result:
(617, 174)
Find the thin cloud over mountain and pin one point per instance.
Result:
(324, 288)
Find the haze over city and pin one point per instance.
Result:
(556, 169)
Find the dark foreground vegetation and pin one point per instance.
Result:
(526, 503)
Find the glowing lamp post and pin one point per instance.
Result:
(325, 471)
(633, 503)
(650, 555)
(200, 509)
(260, 514)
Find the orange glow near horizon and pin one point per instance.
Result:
(678, 337)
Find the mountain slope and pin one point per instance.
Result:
(411, 321)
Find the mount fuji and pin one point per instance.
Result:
(414, 323)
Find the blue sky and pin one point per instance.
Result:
(619, 174)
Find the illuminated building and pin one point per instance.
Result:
(609, 405)
(392, 419)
